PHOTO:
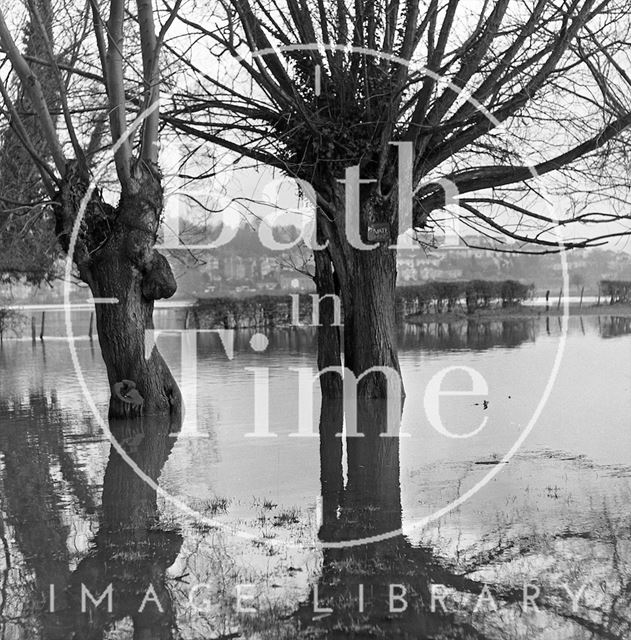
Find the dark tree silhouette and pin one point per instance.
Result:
(327, 92)
(367, 504)
(130, 550)
(114, 250)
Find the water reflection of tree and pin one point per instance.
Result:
(129, 550)
(368, 503)
(612, 327)
(441, 336)
(361, 497)
(469, 334)
(34, 456)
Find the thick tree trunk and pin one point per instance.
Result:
(368, 296)
(366, 281)
(115, 257)
(122, 331)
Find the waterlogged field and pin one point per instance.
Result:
(254, 519)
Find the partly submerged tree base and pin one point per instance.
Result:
(115, 256)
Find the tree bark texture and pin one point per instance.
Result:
(115, 256)
(367, 287)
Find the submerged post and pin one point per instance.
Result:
(580, 304)
(90, 330)
(41, 332)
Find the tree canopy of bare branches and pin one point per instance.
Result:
(84, 74)
(495, 104)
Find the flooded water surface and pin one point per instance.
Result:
(495, 504)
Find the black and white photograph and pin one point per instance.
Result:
(315, 319)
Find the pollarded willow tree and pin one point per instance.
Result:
(94, 66)
(368, 101)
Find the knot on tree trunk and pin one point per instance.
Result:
(146, 181)
(140, 209)
(158, 280)
(98, 220)
(127, 399)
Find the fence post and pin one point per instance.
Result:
(548, 300)
(559, 301)
(33, 329)
(41, 332)
(91, 325)
(580, 304)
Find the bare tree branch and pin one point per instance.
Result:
(32, 86)
(116, 88)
